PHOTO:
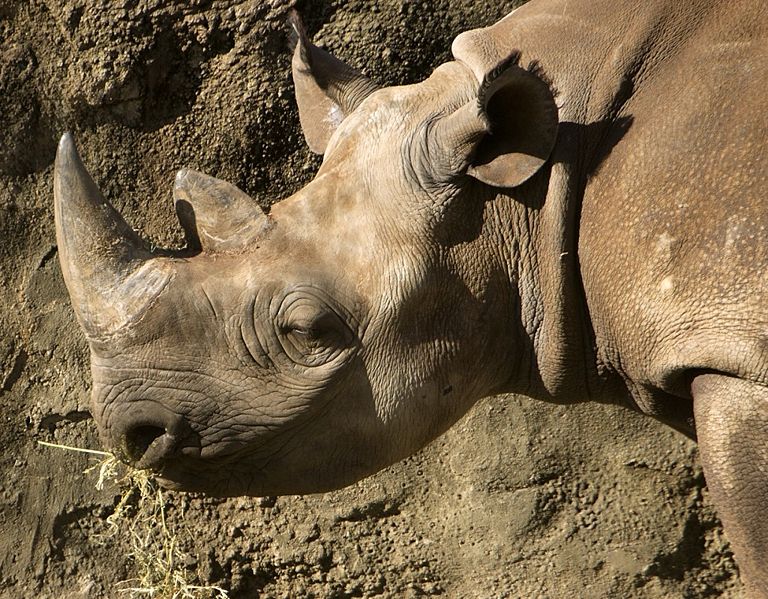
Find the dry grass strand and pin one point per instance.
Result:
(141, 513)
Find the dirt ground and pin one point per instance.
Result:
(519, 499)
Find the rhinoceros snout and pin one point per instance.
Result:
(149, 436)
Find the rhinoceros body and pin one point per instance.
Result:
(573, 209)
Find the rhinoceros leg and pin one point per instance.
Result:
(732, 426)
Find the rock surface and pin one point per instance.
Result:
(518, 500)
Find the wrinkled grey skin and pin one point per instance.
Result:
(583, 221)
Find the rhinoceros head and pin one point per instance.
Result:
(302, 350)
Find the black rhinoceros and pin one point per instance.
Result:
(573, 209)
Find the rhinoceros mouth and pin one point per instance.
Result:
(227, 470)
(203, 476)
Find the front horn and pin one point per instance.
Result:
(110, 275)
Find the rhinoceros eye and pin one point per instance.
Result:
(308, 322)
(310, 331)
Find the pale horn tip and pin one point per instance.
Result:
(66, 145)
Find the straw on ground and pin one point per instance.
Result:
(141, 513)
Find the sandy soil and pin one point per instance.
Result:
(518, 500)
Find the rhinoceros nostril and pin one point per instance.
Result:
(146, 434)
(149, 446)
(139, 439)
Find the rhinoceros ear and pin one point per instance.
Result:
(216, 216)
(507, 134)
(327, 89)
